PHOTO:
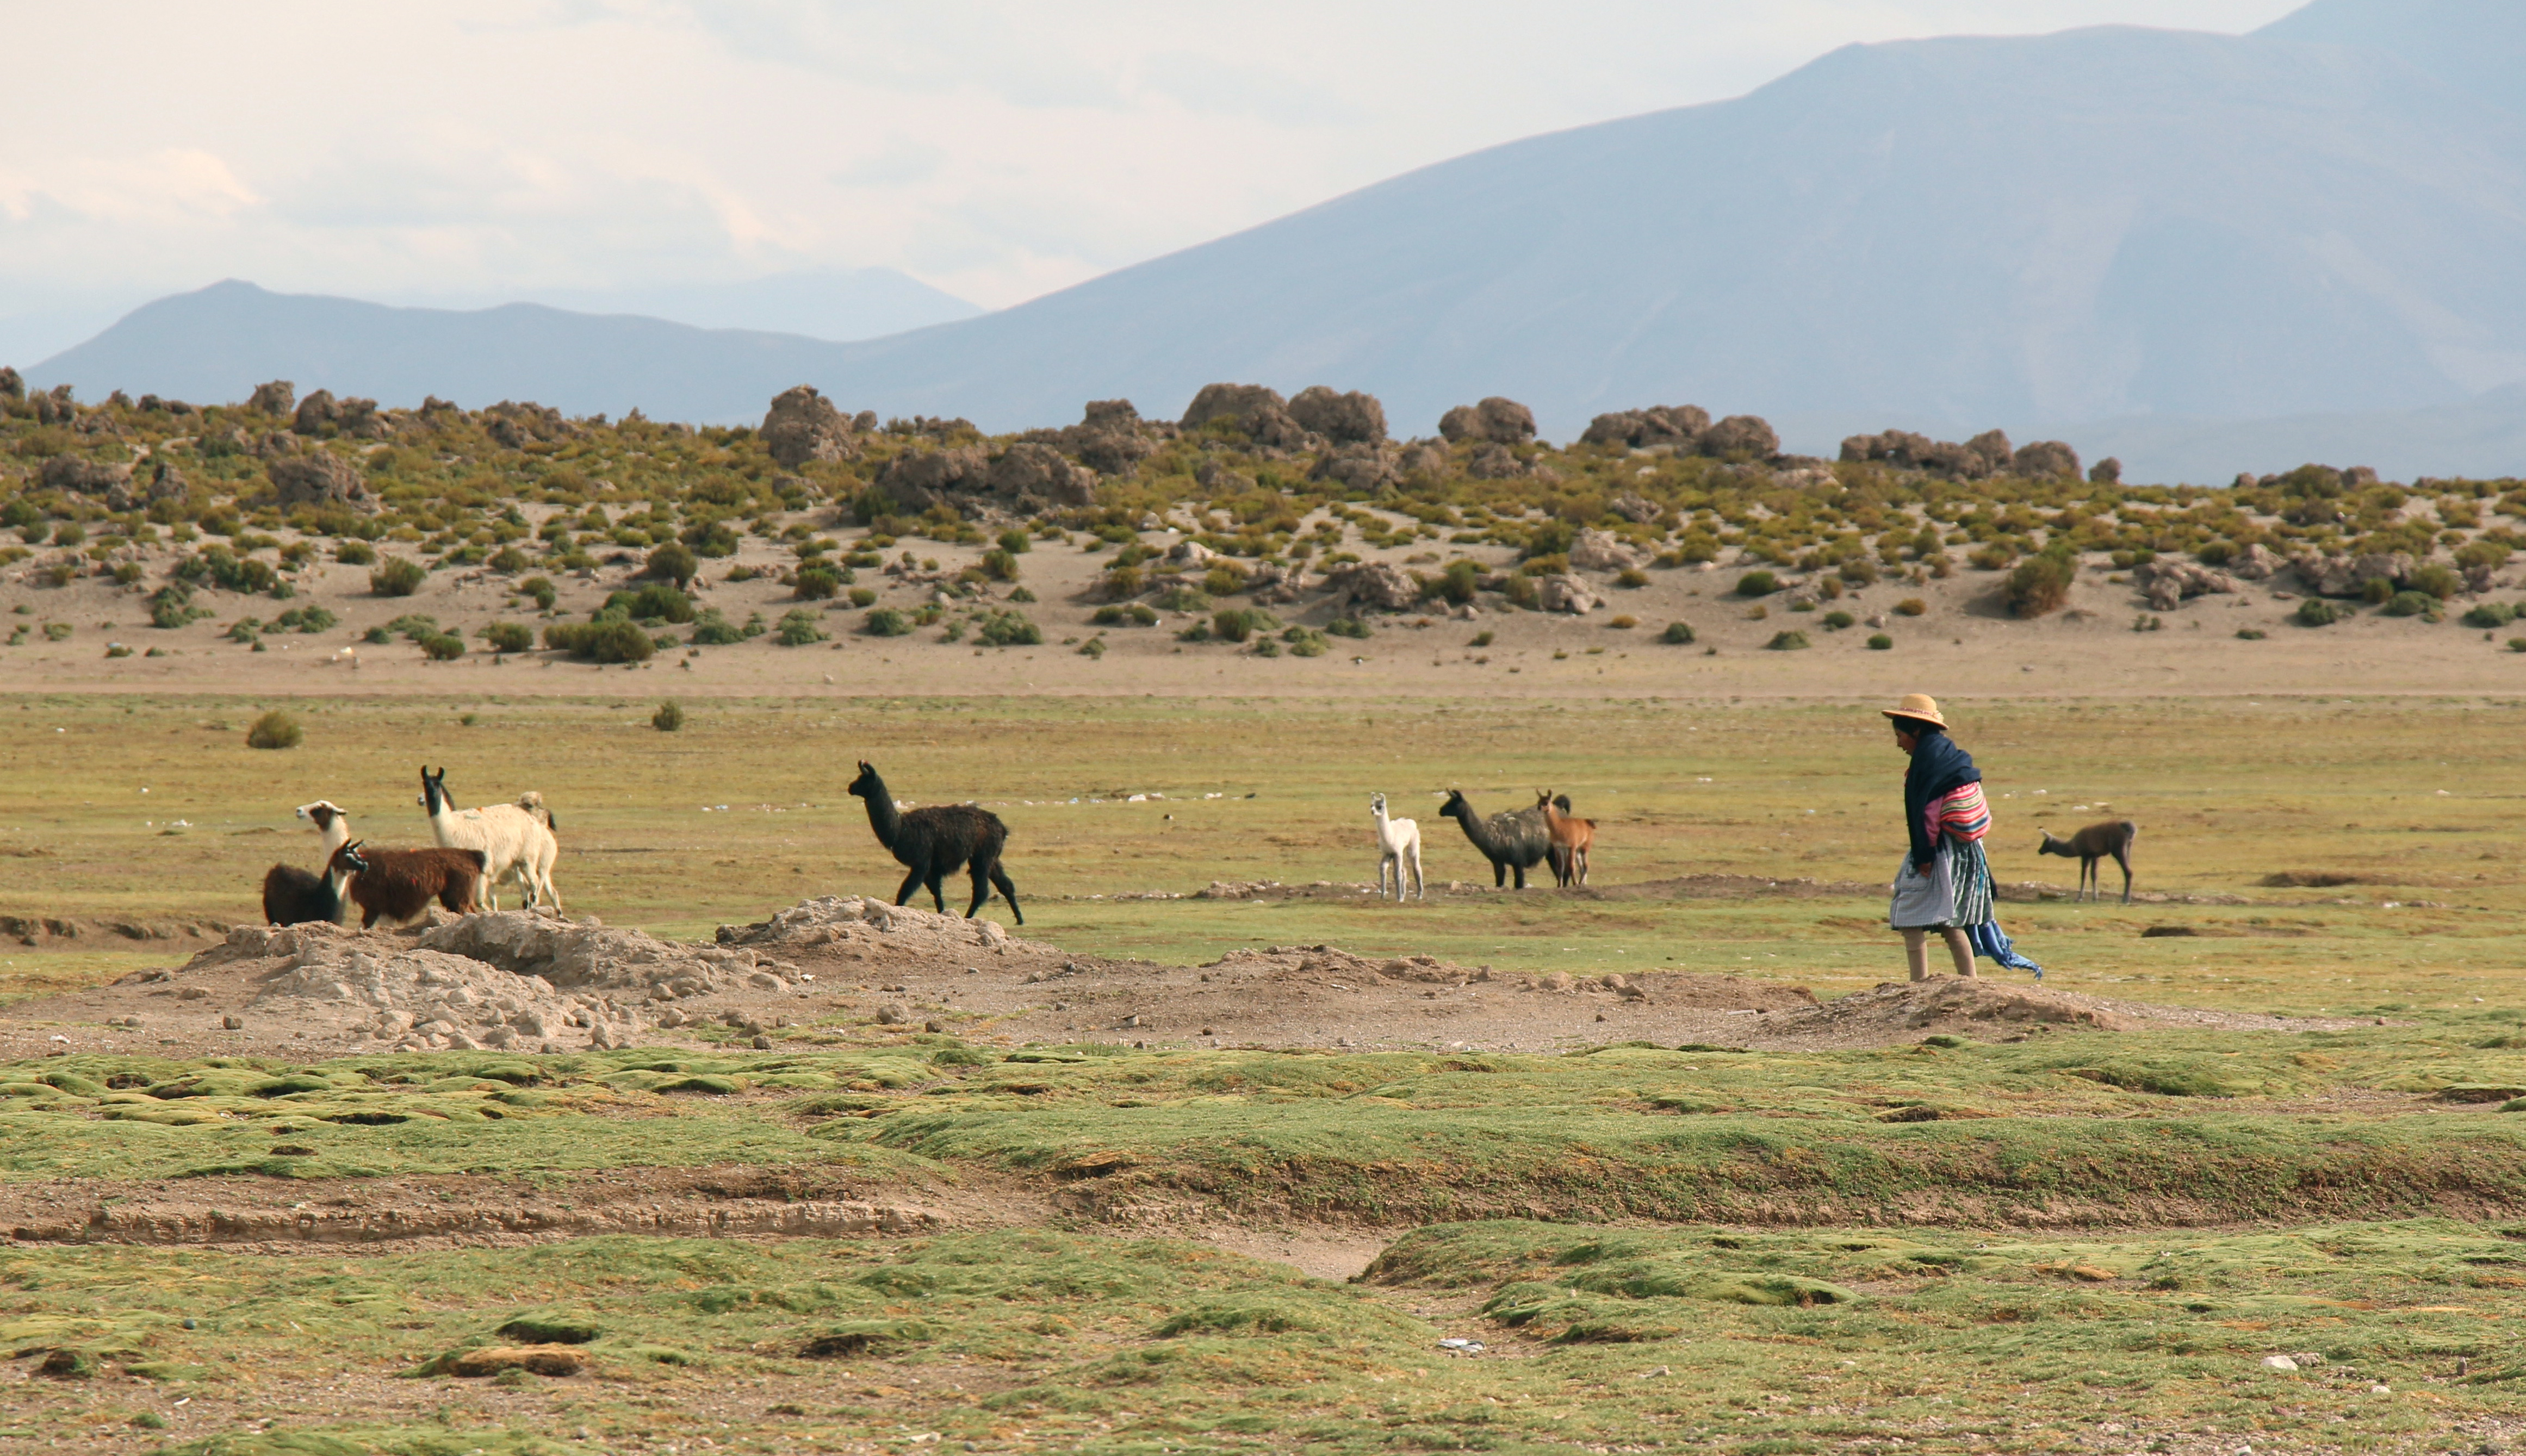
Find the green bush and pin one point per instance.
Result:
(1678, 634)
(539, 590)
(1757, 583)
(1188, 599)
(1014, 542)
(862, 596)
(1008, 629)
(509, 637)
(1911, 606)
(171, 605)
(1237, 623)
(616, 640)
(1787, 641)
(1093, 647)
(669, 718)
(2041, 584)
(442, 647)
(797, 629)
(656, 601)
(2250, 635)
(1347, 626)
(716, 630)
(274, 730)
(2315, 610)
(244, 629)
(886, 621)
(676, 562)
(2517, 645)
(397, 576)
(1118, 614)
(1837, 620)
(1880, 642)
(1000, 564)
(2491, 615)
(817, 583)
(2412, 604)
(1200, 631)
(305, 620)
(2376, 592)
(1523, 593)
(2439, 580)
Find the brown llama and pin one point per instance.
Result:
(1572, 838)
(398, 885)
(2091, 844)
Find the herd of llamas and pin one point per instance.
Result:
(479, 850)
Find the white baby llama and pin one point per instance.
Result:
(1398, 842)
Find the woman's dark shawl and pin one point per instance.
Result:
(1939, 768)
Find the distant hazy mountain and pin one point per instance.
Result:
(836, 304)
(216, 344)
(1949, 233)
(2146, 228)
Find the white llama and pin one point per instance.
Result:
(1398, 843)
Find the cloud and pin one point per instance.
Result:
(994, 148)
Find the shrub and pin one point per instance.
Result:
(1993, 557)
(1787, 641)
(1200, 631)
(171, 605)
(676, 562)
(274, 730)
(1678, 634)
(1624, 623)
(1837, 620)
(669, 718)
(817, 583)
(2250, 635)
(1632, 576)
(1188, 599)
(1757, 583)
(442, 647)
(715, 631)
(797, 629)
(2517, 645)
(2216, 553)
(1008, 629)
(355, 553)
(654, 602)
(244, 629)
(1911, 606)
(1859, 572)
(2376, 592)
(509, 637)
(2041, 584)
(2490, 615)
(1485, 640)
(305, 619)
(1241, 623)
(397, 576)
(862, 596)
(1000, 564)
(539, 590)
(1353, 627)
(2315, 610)
(1223, 581)
(2438, 580)
(2412, 604)
(886, 621)
(1880, 642)
(1093, 647)
(1266, 647)
(1014, 542)
(1522, 591)
(602, 641)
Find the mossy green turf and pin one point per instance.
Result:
(1769, 1341)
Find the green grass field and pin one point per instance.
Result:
(2078, 1242)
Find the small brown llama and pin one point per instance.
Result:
(2091, 844)
(1572, 838)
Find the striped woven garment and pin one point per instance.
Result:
(1964, 813)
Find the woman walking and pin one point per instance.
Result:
(1945, 882)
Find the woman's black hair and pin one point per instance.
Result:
(1918, 728)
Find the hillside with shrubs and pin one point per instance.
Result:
(1299, 504)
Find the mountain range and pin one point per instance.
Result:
(2188, 249)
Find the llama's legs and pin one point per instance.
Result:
(1420, 886)
(982, 875)
(2123, 858)
(1000, 879)
(1499, 874)
(938, 887)
(1521, 875)
(911, 882)
(1582, 869)
(1382, 861)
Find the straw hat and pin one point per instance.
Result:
(1917, 705)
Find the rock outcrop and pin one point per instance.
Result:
(1374, 584)
(1032, 477)
(275, 397)
(1978, 459)
(1739, 438)
(919, 479)
(803, 427)
(2349, 576)
(320, 477)
(1361, 466)
(85, 476)
(2046, 460)
(2256, 562)
(1603, 551)
(13, 386)
(2168, 583)
(1677, 425)
(1503, 421)
(1352, 419)
(1567, 594)
(1258, 412)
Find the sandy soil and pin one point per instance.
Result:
(1965, 645)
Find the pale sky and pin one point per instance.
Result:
(477, 149)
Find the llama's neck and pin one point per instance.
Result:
(337, 832)
(1476, 829)
(884, 818)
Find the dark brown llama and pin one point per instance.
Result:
(935, 842)
(2091, 844)
(398, 885)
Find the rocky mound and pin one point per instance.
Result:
(1898, 1010)
(845, 922)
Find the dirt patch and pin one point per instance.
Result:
(2314, 879)
(853, 922)
(105, 932)
(1898, 1011)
